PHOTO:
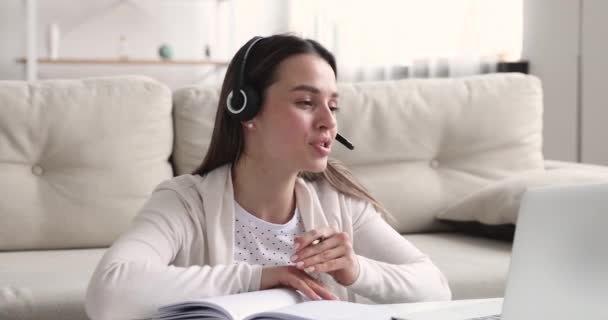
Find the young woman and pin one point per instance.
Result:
(266, 208)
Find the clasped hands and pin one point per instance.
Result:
(322, 250)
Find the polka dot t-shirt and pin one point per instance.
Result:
(263, 243)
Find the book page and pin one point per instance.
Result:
(326, 310)
(232, 307)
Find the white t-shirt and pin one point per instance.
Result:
(259, 242)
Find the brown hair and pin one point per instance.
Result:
(227, 145)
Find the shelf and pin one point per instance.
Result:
(33, 59)
(128, 61)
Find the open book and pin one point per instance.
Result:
(277, 304)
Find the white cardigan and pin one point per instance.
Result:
(180, 246)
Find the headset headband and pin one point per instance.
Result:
(239, 81)
(241, 73)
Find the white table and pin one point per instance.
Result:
(449, 310)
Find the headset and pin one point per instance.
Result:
(243, 101)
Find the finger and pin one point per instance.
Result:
(320, 289)
(301, 285)
(307, 238)
(313, 250)
(311, 236)
(330, 265)
(337, 239)
(321, 257)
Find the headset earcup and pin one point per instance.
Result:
(236, 102)
(253, 104)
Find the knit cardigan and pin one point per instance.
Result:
(180, 247)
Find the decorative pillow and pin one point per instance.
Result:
(78, 158)
(498, 203)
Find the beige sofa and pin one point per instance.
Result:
(79, 157)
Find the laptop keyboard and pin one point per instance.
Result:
(494, 317)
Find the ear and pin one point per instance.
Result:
(248, 124)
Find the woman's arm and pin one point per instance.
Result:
(392, 270)
(135, 277)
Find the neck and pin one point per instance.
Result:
(264, 192)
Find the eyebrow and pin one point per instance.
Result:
(311, 89)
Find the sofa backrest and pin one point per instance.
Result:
(78, 158)
(420, 144)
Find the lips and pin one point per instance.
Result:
(322, 146)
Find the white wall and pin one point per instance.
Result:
(259, 17)
(551, 45)
(556, 34)
(12, 37)
(593, 85)
(92, 29)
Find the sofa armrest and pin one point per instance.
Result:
(557, 164)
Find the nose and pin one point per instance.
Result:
(326, 119)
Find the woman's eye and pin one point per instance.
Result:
(333, 106)
(304, 103)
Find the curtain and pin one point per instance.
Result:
(392, 39)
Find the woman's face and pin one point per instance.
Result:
(296, 126)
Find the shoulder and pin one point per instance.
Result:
(186, 182)
(178, 200)
(175, 194)
(192, 187)
(181, 184)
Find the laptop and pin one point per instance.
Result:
(559, 261)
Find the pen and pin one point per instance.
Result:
(317, 241)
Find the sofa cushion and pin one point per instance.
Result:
(498, 203)
(79, 157)
(475, 267)
(46, 284)
(420, 145)
(194, 116)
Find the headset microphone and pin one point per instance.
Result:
(345, 142)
